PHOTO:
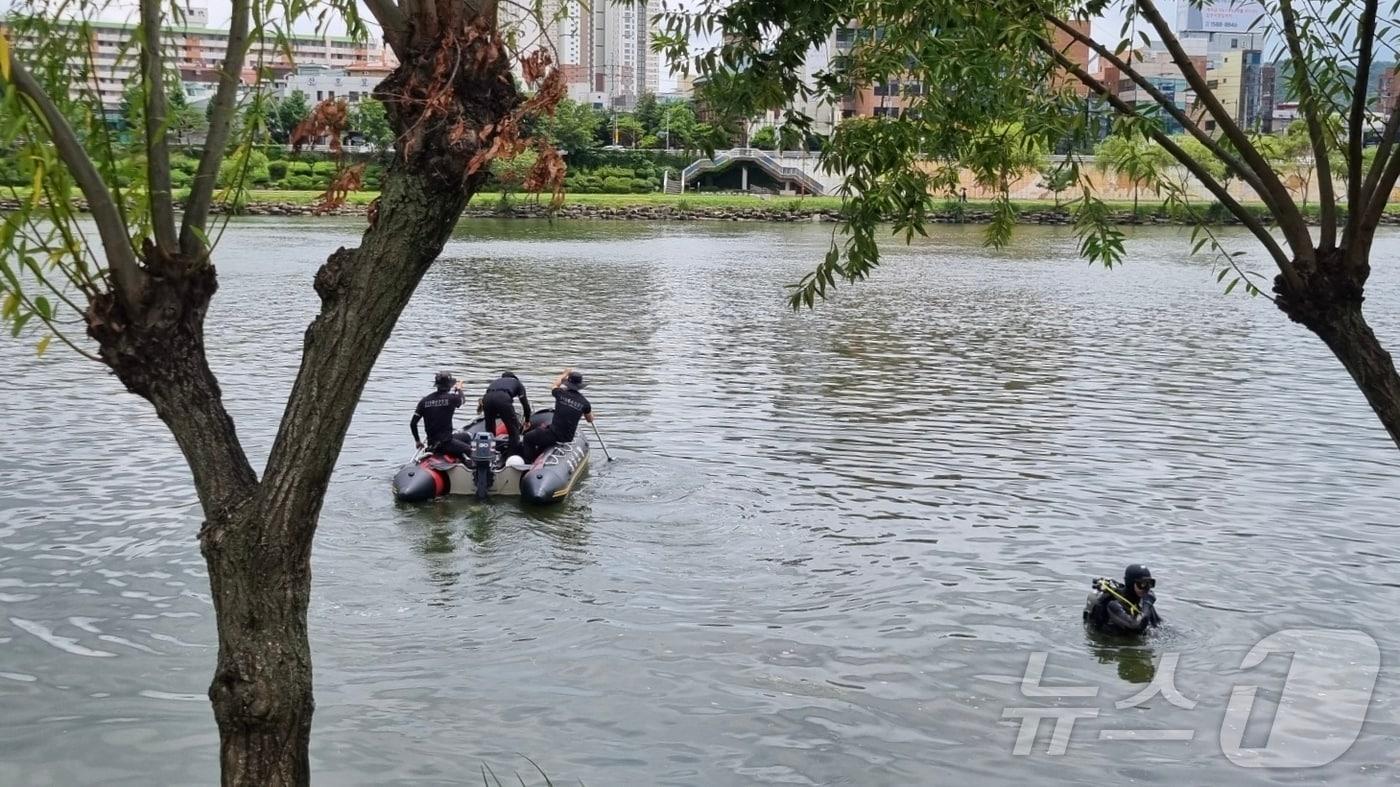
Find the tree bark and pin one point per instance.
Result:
(262, 688)
(156, 348)
(1328, 302)
(1354, 343)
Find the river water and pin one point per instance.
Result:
(828, 549)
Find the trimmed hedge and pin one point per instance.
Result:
(273, 167)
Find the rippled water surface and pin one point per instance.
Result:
(828, 547)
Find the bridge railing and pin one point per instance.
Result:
(761, 157)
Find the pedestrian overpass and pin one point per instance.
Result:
(793, 178)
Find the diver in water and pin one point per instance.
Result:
(499, 403)
(1129, 608)
(569, 406)
(435, 411)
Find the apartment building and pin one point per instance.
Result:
(604, 50)
(111, 64)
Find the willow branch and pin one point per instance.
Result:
(157, 151)
(127, 276)
(1210, 143)
(1357, 120)
(1290, 219)
(1359, 247)
(1378, 164)
(220, 128)
(1246, 217)
(395, 25)
(1307, 101)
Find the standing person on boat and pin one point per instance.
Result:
(499, 403)
(435, 411)
(1129, 608)
(569, 406)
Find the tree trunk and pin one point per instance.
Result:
(450, 102)
(1351, 339)
(261, 690)
(260, 559)
(1327, 300)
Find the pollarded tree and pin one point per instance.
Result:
(996, 62)
(143, 292)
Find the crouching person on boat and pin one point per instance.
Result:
(435, 411)
(1127, 608)
(499, 404)
(569, 406)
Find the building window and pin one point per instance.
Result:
(320, 95)
(354, 96)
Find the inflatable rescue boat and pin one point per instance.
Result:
(549, 479)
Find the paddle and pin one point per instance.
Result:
(600, 441)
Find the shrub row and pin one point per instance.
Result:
(273, 167)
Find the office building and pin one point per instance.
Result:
(1245, 86)
(351, 84)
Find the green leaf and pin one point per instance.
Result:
(43, 345)
(1231, 288)
(18, 325)
(43, 307)
(4, 56)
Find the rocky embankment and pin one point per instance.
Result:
(680, 211)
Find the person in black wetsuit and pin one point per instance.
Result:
(569, 406)
(1129, 608)
(498, 403)
(435, 411)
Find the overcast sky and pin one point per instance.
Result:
(1106, 29)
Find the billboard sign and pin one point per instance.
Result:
(1221, 16)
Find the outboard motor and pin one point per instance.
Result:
(483, 449)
